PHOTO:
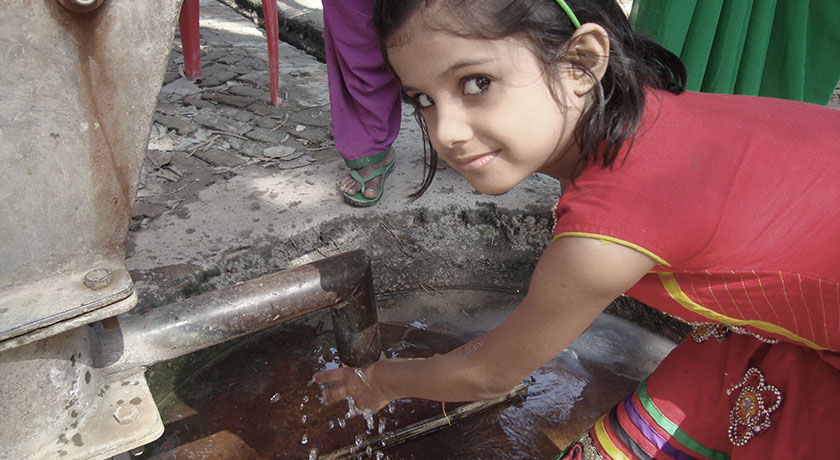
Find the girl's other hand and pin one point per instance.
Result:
(349, 382)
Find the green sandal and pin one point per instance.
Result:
(358, 199)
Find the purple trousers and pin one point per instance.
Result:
(365, 100)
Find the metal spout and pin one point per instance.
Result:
(342, 282)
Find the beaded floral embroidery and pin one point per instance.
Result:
(705, 331)
(756, 401)
(702, 332)
(761, 338)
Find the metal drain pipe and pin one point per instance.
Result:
(343, 283)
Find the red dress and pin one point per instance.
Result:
(738, 200)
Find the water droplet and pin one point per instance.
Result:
(359, 440)
(303, 419)
(275, 397)
(332, 424)
(306, 399)
(342, 423)
(369, 419)
(304, 440)
(381, 425)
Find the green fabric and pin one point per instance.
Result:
(776, 48)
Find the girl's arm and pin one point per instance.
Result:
(575, 279)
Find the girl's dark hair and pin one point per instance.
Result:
(613, 112)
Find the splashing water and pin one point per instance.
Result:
(261, 393)
(353, 411)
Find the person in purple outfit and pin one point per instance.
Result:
(365, 99)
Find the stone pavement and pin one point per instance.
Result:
(233, 188)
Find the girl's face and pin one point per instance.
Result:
(487, 105)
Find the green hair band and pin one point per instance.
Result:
(569, 13)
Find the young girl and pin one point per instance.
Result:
(720, 210)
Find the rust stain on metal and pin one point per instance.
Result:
(99, 88)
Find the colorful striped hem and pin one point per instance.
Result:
(607, 444)
(649, 434)
(673, 429)
(636, 429)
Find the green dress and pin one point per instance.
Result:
(778, 48)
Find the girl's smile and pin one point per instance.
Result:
(487, 104)
(474, 163)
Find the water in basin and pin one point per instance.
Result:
(255, 400)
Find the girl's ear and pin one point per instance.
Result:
(590, 47)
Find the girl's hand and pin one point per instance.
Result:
(350, 382)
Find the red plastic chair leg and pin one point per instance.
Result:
(273, 38)
(190, 39)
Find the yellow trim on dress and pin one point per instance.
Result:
(606, 442)
(672, 287)
(610, 239)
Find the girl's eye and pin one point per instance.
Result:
(476, 85)
(424, 100)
